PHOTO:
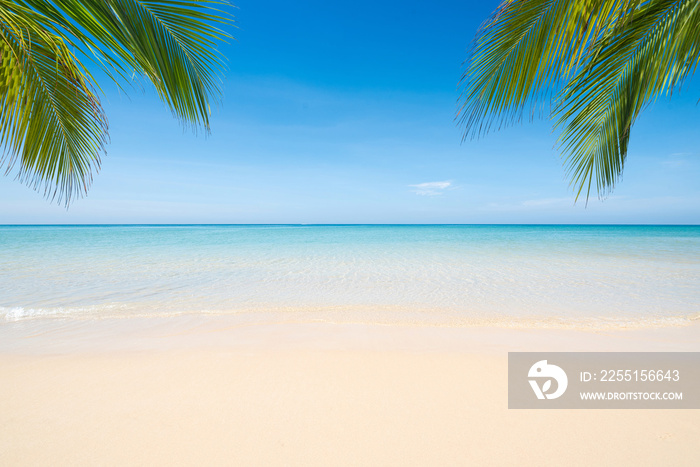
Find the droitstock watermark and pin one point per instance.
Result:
(604, 380)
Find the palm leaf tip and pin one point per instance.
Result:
(52, 124)
(601, 60)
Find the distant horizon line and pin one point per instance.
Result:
(342, 225)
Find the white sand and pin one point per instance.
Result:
(202, 393)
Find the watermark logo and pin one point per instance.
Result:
(546, 372)
(603, 380)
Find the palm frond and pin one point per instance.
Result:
(653, 54)
(600, 61)
(523, 53)
(171, 43)
(50, 118)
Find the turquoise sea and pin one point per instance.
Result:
(541, 276)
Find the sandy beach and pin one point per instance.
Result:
(196, 391)
(318, 234)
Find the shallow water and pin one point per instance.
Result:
(543, 276)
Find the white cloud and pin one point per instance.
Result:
(430, 188)
(678, 160)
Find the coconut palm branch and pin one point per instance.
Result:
(594, 63)
(52, 124)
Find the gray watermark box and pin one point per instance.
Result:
(604, 380)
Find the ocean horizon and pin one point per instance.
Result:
(525, 275)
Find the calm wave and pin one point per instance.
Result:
(441, 275)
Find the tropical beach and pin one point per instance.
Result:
(310, 345)
(387, 233)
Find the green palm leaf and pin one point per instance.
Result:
(654, 53)
(51, 118)
(58, 139)
(600, 61)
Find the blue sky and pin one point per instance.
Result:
(343, 113)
